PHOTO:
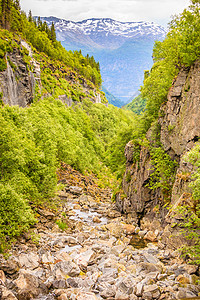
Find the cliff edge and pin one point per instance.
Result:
(177, 130)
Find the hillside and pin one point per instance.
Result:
(161, 182)
(124, 49)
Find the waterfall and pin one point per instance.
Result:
(11, 95)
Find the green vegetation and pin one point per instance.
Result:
(33, 142)
(44, 40)
(89, 137)
(137, 105)
(163, 175)
(180, 48)
(190, 211)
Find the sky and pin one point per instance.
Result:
(158, 11)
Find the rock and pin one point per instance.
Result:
(108, 275)
(70, 240)
(29, 261)
(151, 236)
(86, 296)
(10, 266)
(27, 285)
(128, 229)
(182, 279)
(116, 250)
(125, 285)
(46, 258)
(115, 229)
(133, 297)
(150, 258)
(64, 268)
(96, 220)
(113, 214)
(120, 295)
(142, 233)
(6, 294)
(108, 291)
(72, 282)
(191, 269)
(2, 278)
(77, 206)
(59, 284)
(84, 258)
(151, 292)
(46, 213)
(76, 190)
(139, 289)
(137, 229)
(146, 268)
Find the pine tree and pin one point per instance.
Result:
(6, 6)
(39, 23)
(53, 32)
(30, 17)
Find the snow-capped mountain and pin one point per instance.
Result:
(105, 32)
(124, 49)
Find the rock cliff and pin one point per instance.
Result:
(179, 124)
(24, 73)
(17, 83)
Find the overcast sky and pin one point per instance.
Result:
(158, 11)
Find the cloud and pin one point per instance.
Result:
(123, 10)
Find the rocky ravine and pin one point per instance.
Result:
(98, 256)
(179, 124)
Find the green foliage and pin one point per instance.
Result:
(163, 174)
(190, 228)
(191, 214)
(181, 47)
(62, 225)
(44, 40)
(33, 142)
(137, 105)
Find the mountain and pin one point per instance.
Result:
(124, 49)
(112, 99)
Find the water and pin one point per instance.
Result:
(87, 217)
(11, 86)
(138, 242)
(69, 249)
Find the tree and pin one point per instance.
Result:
(30, 17)
(53, 32)
(6, 6)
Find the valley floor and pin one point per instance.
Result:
(91, 252)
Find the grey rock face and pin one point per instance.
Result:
(180, 128)
(17, 83)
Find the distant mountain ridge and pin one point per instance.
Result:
(124, 49)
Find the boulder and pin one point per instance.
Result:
(6, 294)
(29, 261)
(63, 268)
(27, 285)
(10, 266)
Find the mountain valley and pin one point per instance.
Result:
(124, 49)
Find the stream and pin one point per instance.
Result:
(98, 256)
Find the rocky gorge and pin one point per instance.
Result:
(177, 130)
(97, 254)
(65, 235)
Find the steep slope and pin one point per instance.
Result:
(51, 111)
(161, 185)
(123, 49)
(178, 129)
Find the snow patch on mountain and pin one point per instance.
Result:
(108, 27)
